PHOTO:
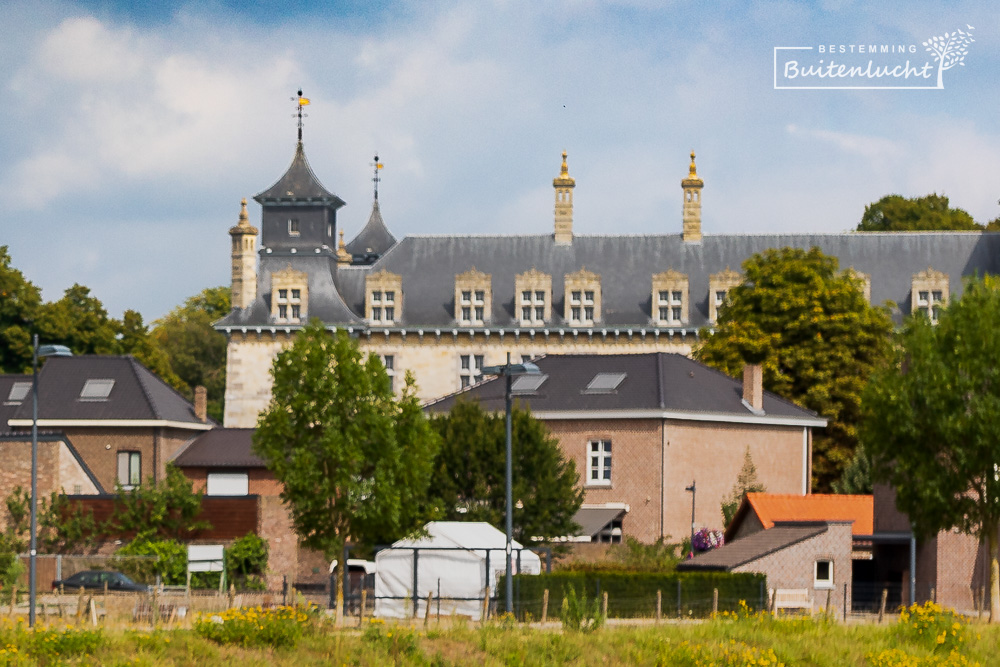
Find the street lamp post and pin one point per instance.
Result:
(508, 371)
(692, 490)
(43, 351)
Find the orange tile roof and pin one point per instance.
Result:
(771, 507)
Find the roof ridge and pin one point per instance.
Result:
(134, 365)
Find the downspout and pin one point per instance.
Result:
(663, 437)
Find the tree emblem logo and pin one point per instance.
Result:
(949, 50)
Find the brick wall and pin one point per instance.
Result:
(274, 525)
(261, 482)
(794, 567)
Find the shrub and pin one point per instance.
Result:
(395, 640)
(578, 615)
(170, 562)
(246, 561)
(933, 626)
(277, 627)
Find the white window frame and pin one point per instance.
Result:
(227, 484)
(470, 369)
(132, 460)
(599, 462)
(827, 583)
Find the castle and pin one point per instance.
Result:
(442, 307)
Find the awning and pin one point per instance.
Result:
(593, 520)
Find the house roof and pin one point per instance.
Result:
(594, 519)
(656, 384)
(9, 402)
(299, 184)
(752, 547)
(374, 237)
(625, 264)
(220, 448)
(774, 507)
(73, 389)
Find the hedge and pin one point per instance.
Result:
(633, 594)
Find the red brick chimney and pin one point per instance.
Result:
(201, 402)
(753, 386)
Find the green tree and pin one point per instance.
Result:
(894, 213)
(168, 509)
(80, 322)
(857, 476)
(746, 482)
(19, 304)
(134, 338)
(931, 422)
(352, 460)
(469, 474)
(195, 351)
(808, 324)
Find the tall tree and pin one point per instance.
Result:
(79, 321)
(894, 213)
(352, 460)
(19, 304)
(932, 422)
(469, 481)
(808, 324)
(134, 338)
(746, 482)
(196, 352)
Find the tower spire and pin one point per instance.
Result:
(375, 179)
(564, 185)
(300, 102)
(691, 218)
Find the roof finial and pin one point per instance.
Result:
(301, 102)
(244, 217)
(375, 178)
(691, 171)
(564, 170)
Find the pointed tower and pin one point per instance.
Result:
(692, 186)
(564, 185)
(244, 285)
(374, 239)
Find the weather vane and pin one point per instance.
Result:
(376, 179)
(301, 102)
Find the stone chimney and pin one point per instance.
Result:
(753, 387)
(244, 256)
(201, 403)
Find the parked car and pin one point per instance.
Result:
(96, 579)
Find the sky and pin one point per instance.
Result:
(129, 131)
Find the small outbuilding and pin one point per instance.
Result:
(454, 563)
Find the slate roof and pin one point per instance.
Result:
(8, 407)
(753, 547)
(299, 184)
(220, 448)
(374, 237)
(137, 394)
(774, 507)
(428, 265)
(657, 381)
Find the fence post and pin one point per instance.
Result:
(232, 595)
(486, 602)
(284, 590)
(364, 601)
(678, 598)
(93, 611)
(427, 612)
(715, 601)
(604, 605)
(881, 609)
(79, 607)
(659, 605)
(439, 602)
(545, 606)
(156, 606)
(416, 595)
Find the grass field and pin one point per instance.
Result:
(924, 636)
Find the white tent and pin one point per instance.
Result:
(461, 557)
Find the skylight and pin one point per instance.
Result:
(604, 383)
(96, 390)
(18, 391)
(527, 384)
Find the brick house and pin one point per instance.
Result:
(101, 420)
(221, 463)
(810, 556)
(641, 427)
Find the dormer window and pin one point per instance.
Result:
(18, 392)
(929, 291)
(473, 297)
(96, 390)
(670, 298)
(289, 294)
(719, 285)
(383, 297)
(293, 227)
(583, 302)
(533, 298)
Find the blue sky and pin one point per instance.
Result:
(129, 132)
